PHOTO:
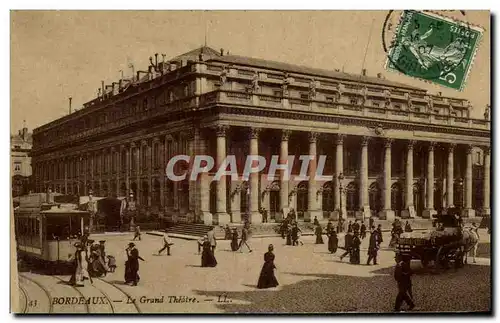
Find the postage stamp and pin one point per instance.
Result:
(434, 48)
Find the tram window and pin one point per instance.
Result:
(62, 227)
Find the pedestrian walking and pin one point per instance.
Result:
(227, 233)
(355, 227)
(355, 249)
(379, 231)
(80, 265)
(402, 275)
(373, 246)
(267, 278)
(295, 234)
(318, 231)
(244, 238)
(332, 239)
(166, 244)
(349, 226)
(137, 234)
(207, 256)
(362, 231)
(132, 265)
(316, 222)
(234, 240)
(288, 234)
(111, 263)
(348, 245)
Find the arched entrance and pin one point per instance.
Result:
(244, 199)
(418, 199)
(458, 193)
(274, 200)
(144, 193)
(302, 199)
(123, 190)
(438, 197)
(213, 197)
(397, 198)
(375, 199)
(327, 204)
(156, 193)
(352, 199)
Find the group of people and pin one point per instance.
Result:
(89, 260)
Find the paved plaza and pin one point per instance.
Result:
(311, 280)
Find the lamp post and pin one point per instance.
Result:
(341, 190)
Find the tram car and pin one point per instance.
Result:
(442, 245)
(46, 230)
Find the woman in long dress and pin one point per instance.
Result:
(288, 235)
(333, 240)
(267, 279)
(81, 265)
(234, 240)
(355, 252)
(207, 256)
(319, 234)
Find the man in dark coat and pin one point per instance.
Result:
(212, 239)
(408, 227)
(355, 249)
(355, 226)
(402, 274)
(316, 222)
(363, 231)
(348, 245)
(373, 246)
(244, 238)
(295, 234)
(349, 226)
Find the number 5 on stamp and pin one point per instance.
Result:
(434, 48)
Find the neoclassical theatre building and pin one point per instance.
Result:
(393, 149)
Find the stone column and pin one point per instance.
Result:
(204, 193)
(285, 135)
(449, 177)
(468, 211)
(149, 170)
(409, 211)
(221, 216)
(364, 211)
(486, 182)
(311, 192)
(429, 211)
(255, 216)
(339, 169)
(163, 167)
(138, 172)
(128, 167)
(65, 161)
(387, 213)
(190, 137)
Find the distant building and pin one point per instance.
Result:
(393, 149)
(20, 166)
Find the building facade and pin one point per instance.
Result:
(392, 149)
(20, 165)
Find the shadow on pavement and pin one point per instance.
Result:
(326, 293)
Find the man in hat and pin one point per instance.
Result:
(137, 233)
(212, 239)
(132, 265)
(373, 246)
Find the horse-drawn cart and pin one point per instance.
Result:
(443, 246)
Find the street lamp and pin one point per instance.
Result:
(341, 189)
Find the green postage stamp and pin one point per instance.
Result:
(434, 48)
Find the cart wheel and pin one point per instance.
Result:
(442, 258)
(459, 258)
(425, 262)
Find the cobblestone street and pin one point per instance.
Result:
(311, 280)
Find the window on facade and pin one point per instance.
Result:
(329, 99)
(397, 106)
(17, 167)
(277, 93)
(478, 158)
(376, 104)
(156, 154)
(304, 96)
(144, 156)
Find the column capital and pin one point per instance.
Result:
(432, 145)
(144, 142)
(285, 134)
(156, 139)
(189, 134)
(122, 147)
(487, 150)
(313, 137)
(132, 144)
(253, 133)
(411, 143)
(365, 140)
(221, 130)
(340, 139)
(469, 149)
(388, 142)
(451, 147)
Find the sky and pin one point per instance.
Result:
(60, 54)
